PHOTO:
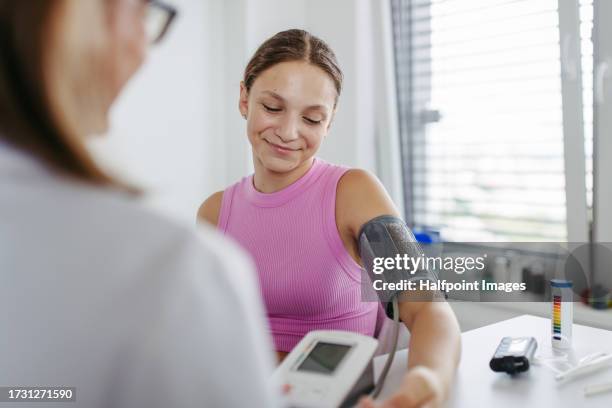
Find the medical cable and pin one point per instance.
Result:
(383, 374)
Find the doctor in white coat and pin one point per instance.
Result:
(96, 293)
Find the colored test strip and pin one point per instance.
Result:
(557, 317)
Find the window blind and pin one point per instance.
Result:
(586, 48)
(481, 122)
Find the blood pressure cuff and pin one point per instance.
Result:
(387, 237)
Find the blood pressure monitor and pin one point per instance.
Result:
(327, 369)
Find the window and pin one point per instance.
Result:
(480, 93)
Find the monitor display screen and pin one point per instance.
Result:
(324, 358)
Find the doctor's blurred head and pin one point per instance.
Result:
(62, 65)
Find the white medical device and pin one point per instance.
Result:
(327, 369)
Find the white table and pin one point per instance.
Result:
(477, 386)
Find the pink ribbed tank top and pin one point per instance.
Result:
(307, 278)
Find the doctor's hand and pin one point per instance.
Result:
(421, 387)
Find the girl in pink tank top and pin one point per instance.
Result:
(308, 279)
(299, 216)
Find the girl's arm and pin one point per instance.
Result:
(434, 331)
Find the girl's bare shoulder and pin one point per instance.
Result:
(210, 208)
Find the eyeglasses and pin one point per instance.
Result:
(158, 19)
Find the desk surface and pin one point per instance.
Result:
(477, 386)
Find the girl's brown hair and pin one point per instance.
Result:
(26, 119)
(293, 45)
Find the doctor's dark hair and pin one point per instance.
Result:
(293, 45)
(26, 111)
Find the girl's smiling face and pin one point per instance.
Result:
(289, 109)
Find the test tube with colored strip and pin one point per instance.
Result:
(562, 313)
